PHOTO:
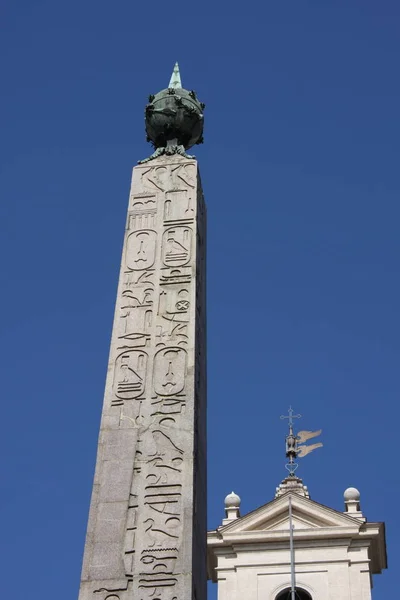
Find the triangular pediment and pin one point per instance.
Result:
(281, 522)
(306, 515)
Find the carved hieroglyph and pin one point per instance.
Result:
(146, 537)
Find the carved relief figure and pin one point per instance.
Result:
(136, 315)
(178, 205)
(182, 275)
(155, 178)
(177, 243)
(132, 279)
(158, 568)
(184, 174)
(174, 304)
(164, 468)
(143, 215)
(140, 296)
(164, 499)
(129, 376)
(169, 371)
(175, 333)
(162, 534)
(136, 326)
(165, 410)
(141, 250)
(109, 594)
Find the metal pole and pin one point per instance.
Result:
(292, 573)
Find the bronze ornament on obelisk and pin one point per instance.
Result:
(146, 537)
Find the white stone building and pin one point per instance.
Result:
(335, 554)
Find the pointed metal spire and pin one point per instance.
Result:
(175, 81)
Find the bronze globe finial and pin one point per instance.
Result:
(174, 119)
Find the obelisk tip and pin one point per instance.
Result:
(175, 81)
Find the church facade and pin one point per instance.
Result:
(334, 554)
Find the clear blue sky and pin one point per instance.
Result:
(301, 173)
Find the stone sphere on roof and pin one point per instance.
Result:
(232, 500)
(351, 494)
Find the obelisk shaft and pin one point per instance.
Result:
(146, 536)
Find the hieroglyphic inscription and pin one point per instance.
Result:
(151, 389)
(136, 309)
(141, 250)
(105, 593)
(143, 213)
(158, 568)
(169, 371)
(129, 375)
(174, 303)
(177, 246)
(160, 527)
(159, 465)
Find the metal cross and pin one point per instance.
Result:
(290, 416)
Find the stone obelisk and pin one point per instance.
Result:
(146, 537)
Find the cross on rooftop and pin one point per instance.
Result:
(290, 416)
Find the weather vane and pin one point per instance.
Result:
(295, 447)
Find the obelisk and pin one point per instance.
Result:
(146, 537)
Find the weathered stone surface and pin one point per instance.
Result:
(146, 536)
